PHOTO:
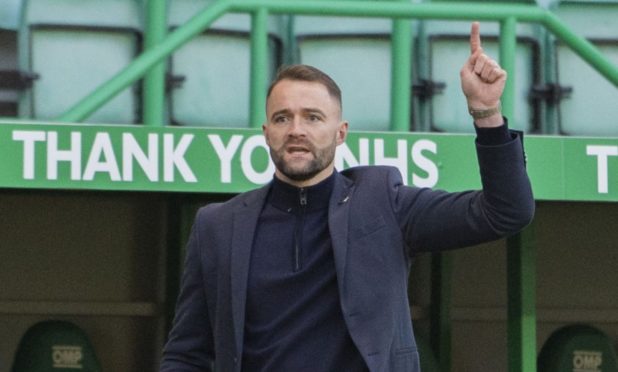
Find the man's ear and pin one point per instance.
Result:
(265, 133)
(342, 132)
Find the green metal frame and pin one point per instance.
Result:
(521, 312)
(399, 11)
(521, 262)
(154, 80)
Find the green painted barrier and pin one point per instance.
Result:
(134, 158)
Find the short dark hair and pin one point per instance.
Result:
(306, 73)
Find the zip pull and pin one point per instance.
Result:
(296, 256)
(298, 233)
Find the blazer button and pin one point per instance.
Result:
(235, 360)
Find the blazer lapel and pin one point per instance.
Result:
(243, 230)
(338, 223)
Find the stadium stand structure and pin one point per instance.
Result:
(11, 81)
(10, 14)
(356, 52)
(54, 52)
(73, 47)
(590, 109)
(210, 74)
(442, 47)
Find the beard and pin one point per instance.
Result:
(303, 172)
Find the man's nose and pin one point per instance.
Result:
(297, 127)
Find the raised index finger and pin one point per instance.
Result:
(475, 37)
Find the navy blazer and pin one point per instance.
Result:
(376, 224)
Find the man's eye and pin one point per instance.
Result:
(313, 118)
(280, 119)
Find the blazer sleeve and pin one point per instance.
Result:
(190, 343)
(438, 220)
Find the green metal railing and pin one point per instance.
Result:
(150, 64)
(154, 81)
(399, 11)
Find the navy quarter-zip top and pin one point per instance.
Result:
(293, 314)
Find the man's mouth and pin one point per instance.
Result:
(297, 149)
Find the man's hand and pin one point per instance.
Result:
(482, 80)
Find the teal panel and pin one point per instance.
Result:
(216, 71)
(361, 67)
(215, 92)
(591, 109)
(126, 13)
(577, 14)
(72, 63)
(316, 25)
(9, 14)
(181, 11)
(75, 46)
(356, 53)
(216, 68)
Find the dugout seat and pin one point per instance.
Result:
(578, 348)
(445, 48)
(591, 109)
(73, 47)
(356, 53)
(10, 77)
(211, 73)
(55, 346)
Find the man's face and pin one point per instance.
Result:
(303, 129)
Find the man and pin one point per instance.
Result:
(309, 273)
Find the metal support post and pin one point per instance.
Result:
(521, 283)
(401, 67)
(154, 80)
(259, 67)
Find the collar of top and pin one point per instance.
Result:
(291, 199)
